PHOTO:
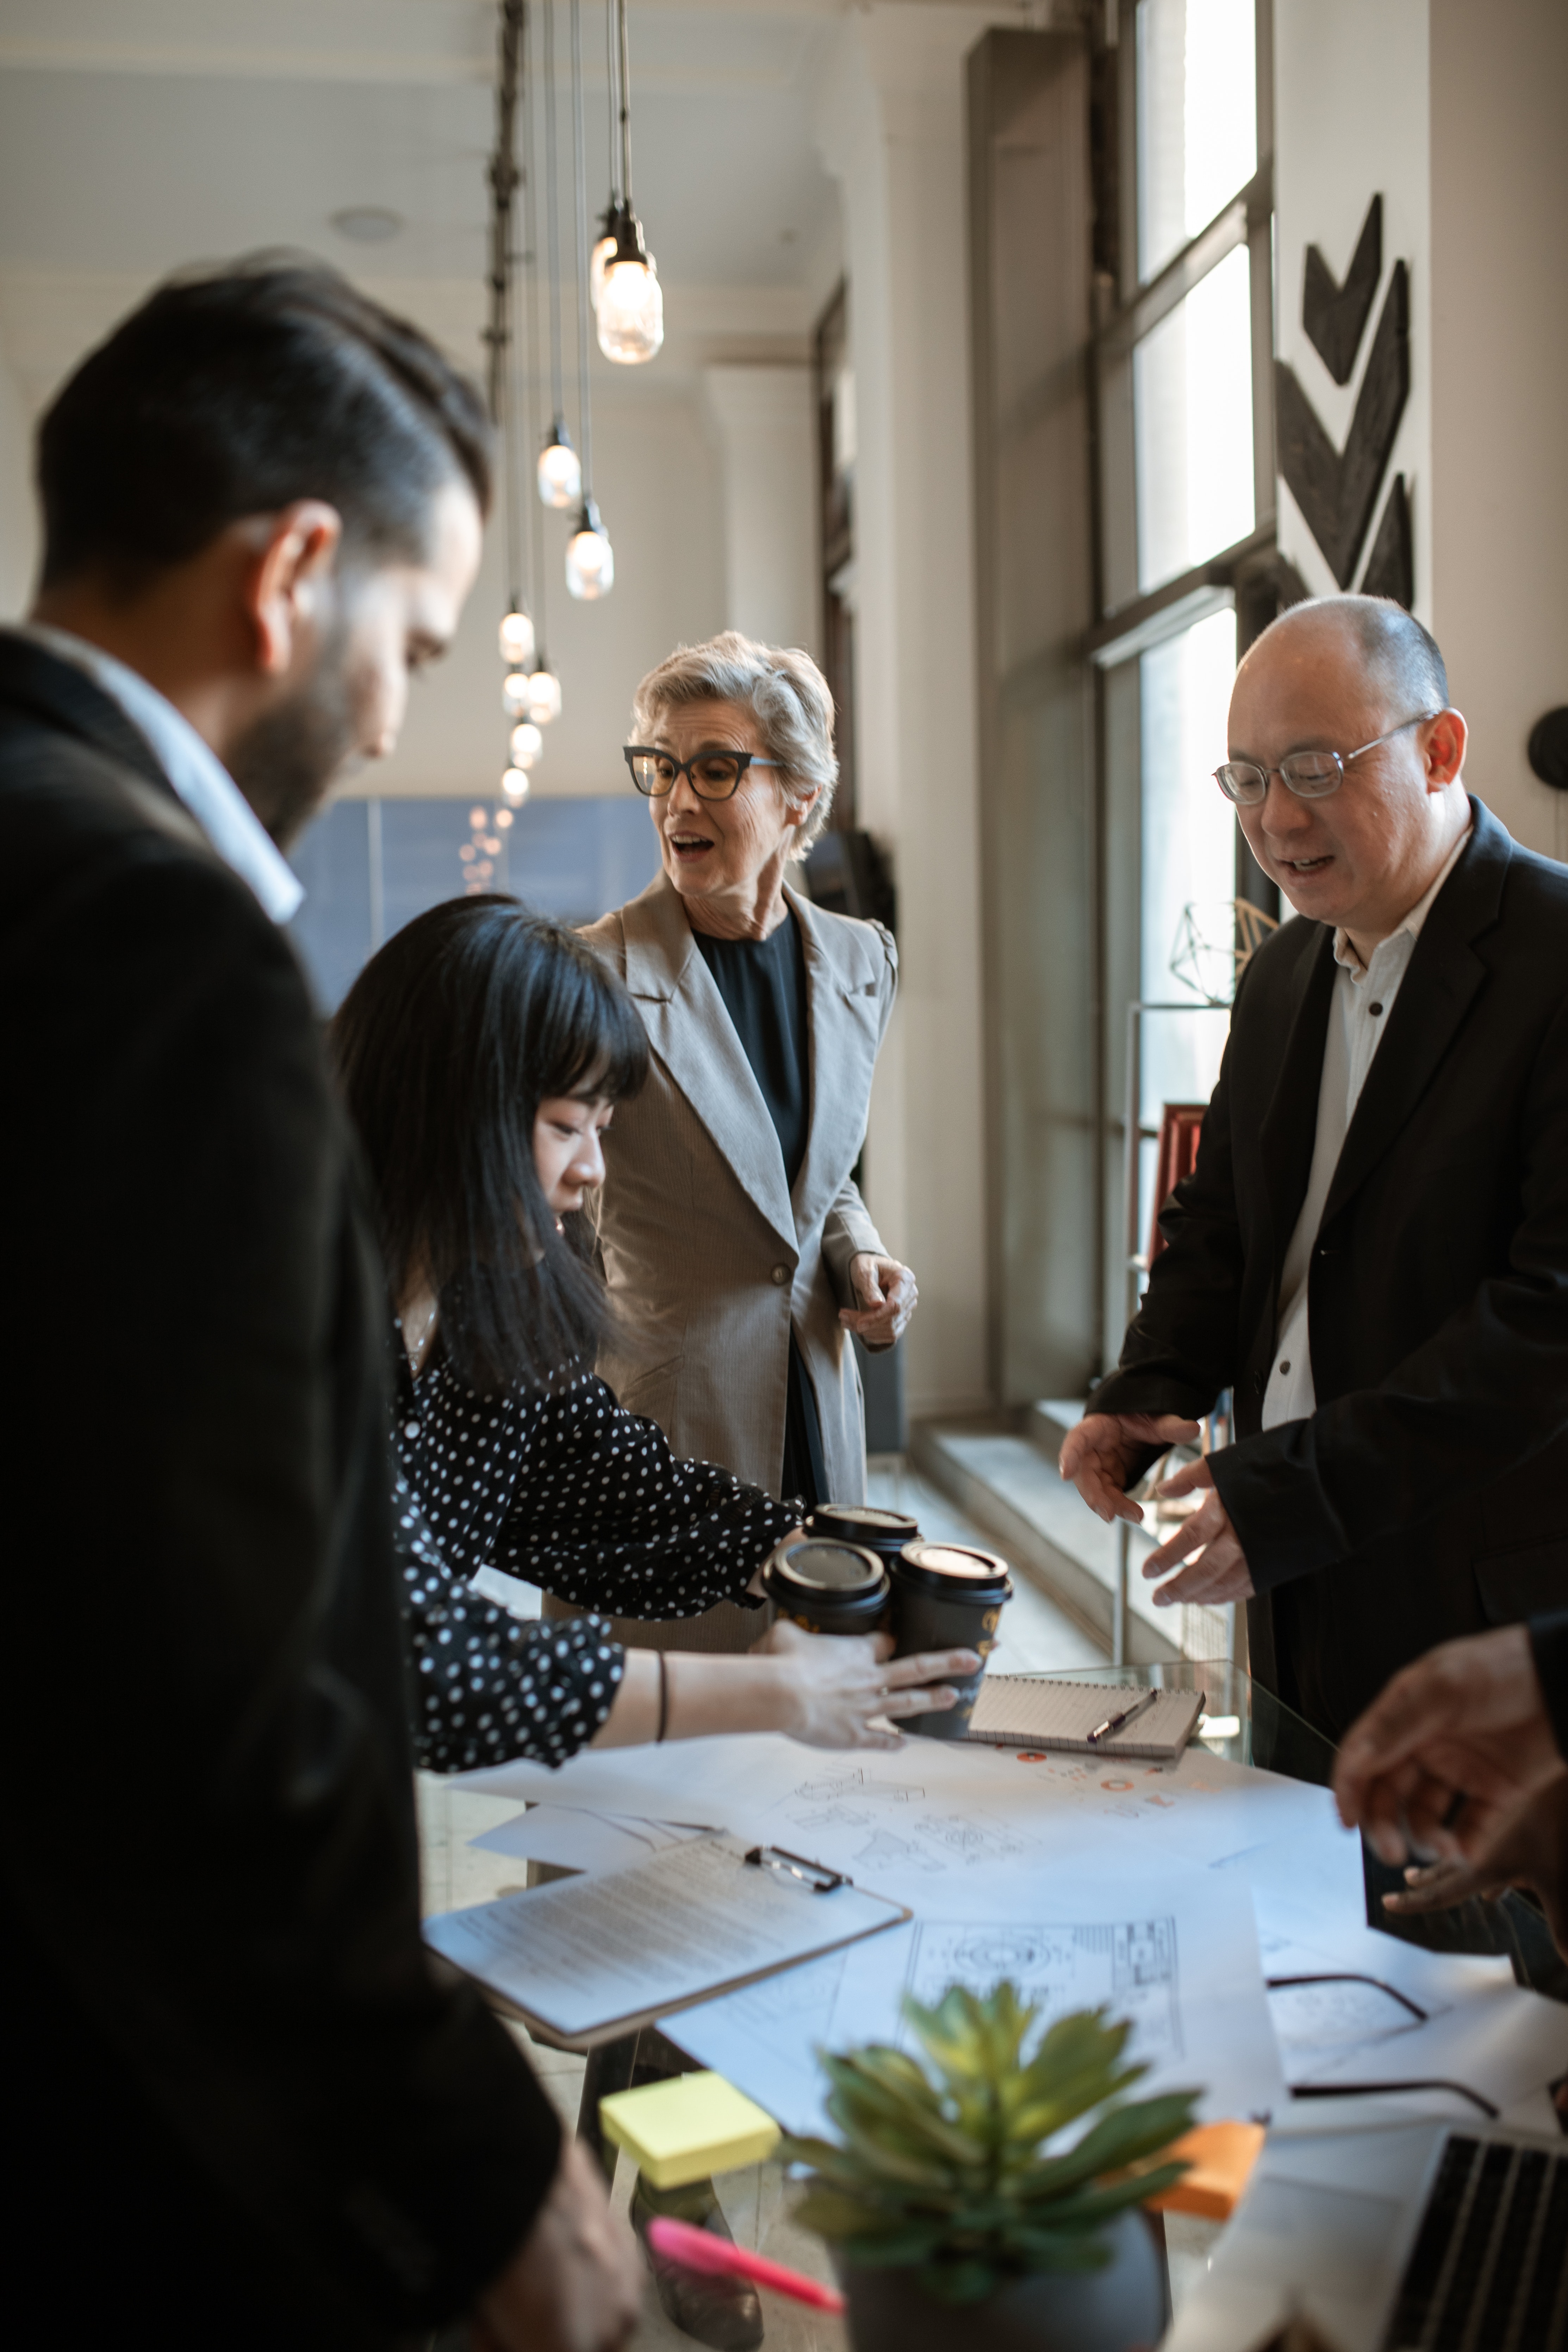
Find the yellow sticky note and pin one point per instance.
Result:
(688, 2128)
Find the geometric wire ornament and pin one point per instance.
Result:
(1214, 943)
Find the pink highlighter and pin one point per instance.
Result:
(698, 2250)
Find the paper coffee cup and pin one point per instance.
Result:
(829, 1588)
(948, 1597)
(883, 1532)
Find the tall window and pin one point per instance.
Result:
(1184, 358)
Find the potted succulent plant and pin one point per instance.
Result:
(949, 2221)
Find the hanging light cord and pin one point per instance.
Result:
(611, 51)
(505, 177)
(531, 369)
(625, 79)
(551, 209)
(584, 410)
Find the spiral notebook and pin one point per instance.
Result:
(1026, 1711)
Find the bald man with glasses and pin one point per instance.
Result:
(1373, 1250)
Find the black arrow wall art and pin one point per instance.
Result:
(1391, 566)
(1336, 492)
(1335, 316)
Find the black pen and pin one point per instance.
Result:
(1119, 1722)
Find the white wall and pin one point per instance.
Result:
(890, 126)
(763, 417)
(1500, 391)
(18, 529)
(1454, 112)
(1350, 122)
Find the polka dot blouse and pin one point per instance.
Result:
(570, 1492)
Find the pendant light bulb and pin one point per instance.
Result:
(598, 262)
(631, 301)
(589, 559)
(517, 640)
(514, 785)
(527, 743)
(516, 693)
(543, 695)
(560, 472)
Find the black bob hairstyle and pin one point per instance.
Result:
(233, 392)
(446, 1045)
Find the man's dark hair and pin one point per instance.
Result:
(1402, 655)
(237, 391)
(446, 1045)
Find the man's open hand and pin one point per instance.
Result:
(1101, 1454)
(1215, 1568)
(1446, 1755)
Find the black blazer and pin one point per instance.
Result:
(1424, 1498)
(236, 2092)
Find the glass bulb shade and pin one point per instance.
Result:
(527, 743)
(631, 313)
(517, 641)
(543, 696)
(516, 693)
(589, 565)
(514, 785)
(560, 474)
(598, 262)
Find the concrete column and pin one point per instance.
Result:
(764, 423)
(890, 130)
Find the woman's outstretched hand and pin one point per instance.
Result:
(848, 1687)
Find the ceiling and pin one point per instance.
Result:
(137, 134)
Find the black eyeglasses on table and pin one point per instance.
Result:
(715, 775)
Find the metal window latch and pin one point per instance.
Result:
(815, 1875)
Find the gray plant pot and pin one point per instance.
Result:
(1120, 2308)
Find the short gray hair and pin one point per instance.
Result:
(783, 690)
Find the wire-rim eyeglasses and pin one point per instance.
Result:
(1310, 775)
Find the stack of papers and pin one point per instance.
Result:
(1168, 1892)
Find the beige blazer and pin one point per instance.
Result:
(706, 1251)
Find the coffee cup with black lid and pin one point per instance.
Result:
(883, 1532)
(829, 1588)
(948, 1597)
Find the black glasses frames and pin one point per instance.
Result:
(715, 775)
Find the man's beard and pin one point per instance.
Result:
(286, 759)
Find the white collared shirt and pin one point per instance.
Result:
(198, 776)
(1358, 1015)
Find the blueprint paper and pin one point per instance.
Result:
(1176, 1954)
(578, 1840)
(999, 1802)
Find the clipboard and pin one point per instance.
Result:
(584, 1960)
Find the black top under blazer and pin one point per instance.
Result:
(242, 2107)
(1425, 1497)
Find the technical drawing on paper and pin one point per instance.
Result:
(871, 1824)
(1319, 2023)
(1129, 1964)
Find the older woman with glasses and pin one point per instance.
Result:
(734, 1236)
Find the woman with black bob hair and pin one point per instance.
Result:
(482, 1053)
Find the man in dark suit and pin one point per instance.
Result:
(242, 2108)
(1373, 1250)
